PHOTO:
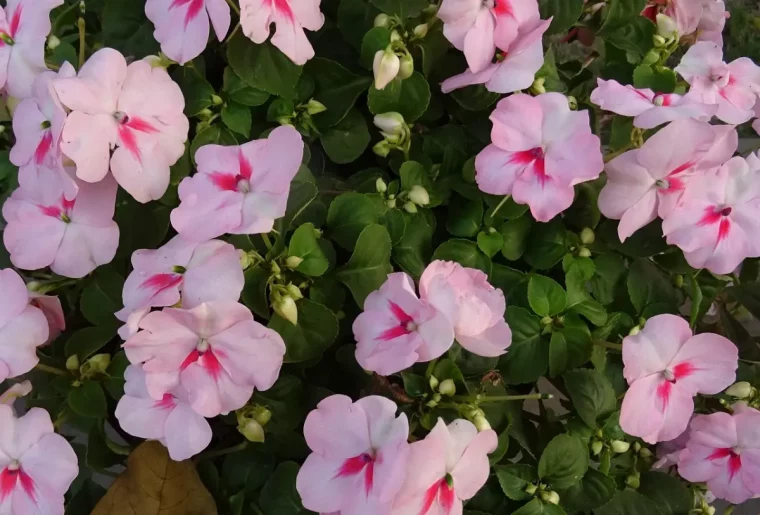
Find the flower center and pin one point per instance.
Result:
(121, 117)
(411, 326)
(7, 39)
(179, 269)
(14, 465)
(662, 183)
(243, 184)
(659, 101)
(726, 211)
(202, 346)
(669, 375)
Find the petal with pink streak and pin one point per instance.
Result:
(654, 347)
(182, 28)
(543, 194)
(612, 96)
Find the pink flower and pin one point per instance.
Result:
(37, 466)
(23, 327)
(733, 87)
(515, 69)
(51, 308)
(650, 181)
(713, 21)
(685, 13)
(71, 236)
(477, 27)
(183, 271)
(182, 26)
(397, 329)
(669, 452)
(137, 110)
(24, 27)
(132, 325)
(10, 395)
(666, 366)
(215, 351)
(239, 190)
(449, 466)
(540, 150)
(718, 221)
(724, 452)
(170, 420)
(359, 456)
(649, 108)
(475, 308)
(290, 17)
(37, 125)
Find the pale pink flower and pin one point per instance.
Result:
(669, 452)
(215, 351)
(733, 87)
(359, 456)
(24, 28)
(650, 181)
(724, 452)
(478, 27)
(290, 18)
(474, 307)
(182, 26)
(239, 190)
(23, 327)
(756, 123)
(137, 110)
(650, 109)
(449, 466)
(397, 329)
(713, 21)
(540, 149)
(182, 271)
(685, 13)
(71, 236)
(717, 223)
(666, 366)
(37, 125)
(514, 69)
(37, 466)
(50, 306)
(10, 395)
(132, 324)
(170, 420)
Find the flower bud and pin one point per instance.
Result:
(245, 260)
(537, 88)
(584, 252)
(406, 69)
(448, 387)
(390, 123)
(382, 20)
(53, 42)
(33, 285)
(572, 102)
(410, 207)
(481, 423)
(530, 489)
(636, 330)
(253, 431)
(287, 309)
(433, 382)
(275, 268)
(293, 261)
(551, 497)
(619, 446)
(380, 185)
(678, 281)
(421, 30)
(419, 195)
(659, 41)
(634, 480)
(596, 447)
(547, 320)
(710, 510)
(396, 37)
(315, 107)
(587, 236)
(262, 415)
(382, 148)
(437, 397)
(666, 26)
(391, 203)
(294, 291)
(216, 100)
(645, 453)
(72, 363)
(206, 113)
(740, 390)
(99, 362)
(636, 447)
(385, 67)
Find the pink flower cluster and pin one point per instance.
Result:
(361, 462)
(399, 328)
(707, 18)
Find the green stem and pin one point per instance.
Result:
(613, 155)
(81, 25)
(50, 370)
(234, 7)
(237, 28)
(60, 17)
(501, 204)
(608, 345)
(267, 241)
(503, 398)
(222, 452)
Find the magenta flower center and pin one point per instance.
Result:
(239, 181)
(129, 126)
(364, 463)
(204, 355)
(442, 492)
(62, 210)
(406, 324)
(734, 462)
(8, 38)
(14, 475)
(717, 215)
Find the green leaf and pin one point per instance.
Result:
(594, 490)
(337, 88)
(546, 245)
(475, 98)
(464, 217)
(546, 296)
(591, 393)
(86, 342)
(628, 502)
(348, 215)
(237, 118)
(658, 79)
(738, 334)
(415, 249)
(303, 191)
(536, 507)
(696, 300)
(414, 385)
(621, 132)
(126, 29)
(409, 97)
(748, 295)
(88, 400)
(355, 18)
(369, 265)
(346, 141)
(316, 330)
(490, 243)
(569, 348)
(415, 174)
(651, 290)
(248, 469)
(263, 66)
(213, 135)
(609, 270)
(240, 92)
(515, 233)
(634, 37)
(620, 13)
(255, 291)
(279, 494)
(375, 40)
(565, 13)
(402, 8)
(433, 49)
(671, 495)
(563, 462)
(514, 478)
(528, 356)
(464, 252)
(195, 88)
(101, 298)
(304, 245)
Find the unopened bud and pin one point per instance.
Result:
(530, 489)
(421, 30)
(634, 481)
(217, 100)
(572, 102)
(391, 203)
(481, 423)
(294, 291)
(410, 207)
(380, 185)
(636, 446)
(678, 281)
(546, 320)
(551, 497)
(390, 123)
(709, 510)
(385, 67)
(437, 397)
(584, 252)
(315, 107)
(262, 415)
(406, 68)
(99, 362)
(382, 20)
(253, 431)
(596, 447)
(72, 363)
(285, 120)
(395, 37)
(740, 390)
(633, 332)
(53, 42)
(287, 309)
(587, 236)
(666, 26)
(448, 387)
(382, 148)
(33, 285)
(245, 260)
(433, 382)
(206, 113)
(659, 41)
(293, 261)
(619, 446)
(275, 268)
(537, 87)
(645, 453)
(419, 195)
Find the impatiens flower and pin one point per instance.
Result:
(476, 309)
(182, 270)
(71, 236)
(713, 21)
(733, 87)
(449, 466)
(649, 108)
(10, 395)
(51, 307)
(132, 324)
(359, 456)
(24, 27)
(666, 366)
(724, 452)
(182, 26)
(37, 125)
(215, 351)
(137, 110)
(23, 328)
(37, 466)
(477, 27)
(290, 17)
(169, 420)
(718, 221)
(650, 181)
(685, 13)
(540, 149)
(513, 70)
(397, 329)
(239, 190)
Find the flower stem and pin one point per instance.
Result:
(267, 241)
(234, 7)
(81, 25)
(237, 28)
(501, 204)
(608, 345)
(222, 452)
(50, 370)
(613, 155)
(504, 398)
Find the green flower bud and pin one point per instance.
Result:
(419, 195)
(433, 382)
(380, 185)
(99, 363)
(550, 497)
(396, 37)
(634, 480)
(390, 123)
(481, 423)
(645, 453)
(253, 431)
(391, 203)
(287, 309)
(385, 67)
(72, 363)
(587, 236)
(275, 268)
(409, 207)
(659, 41)
(572, 102)
(217, 100)
(619, 446)
(530, 489)
(206, 113)
(421, 30)
(293, 261)
(546, 320)
(678, 281)
(740, 390)
(53, 42)
(437, 397)
(596, 447)
(382, 20)
(262, 415)
(537, 88)
(448, 387)
(245, 260)
(584, 252)
(382, 148)
(315, 107)
(294, 291)
(636, 330)
(406, 69)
